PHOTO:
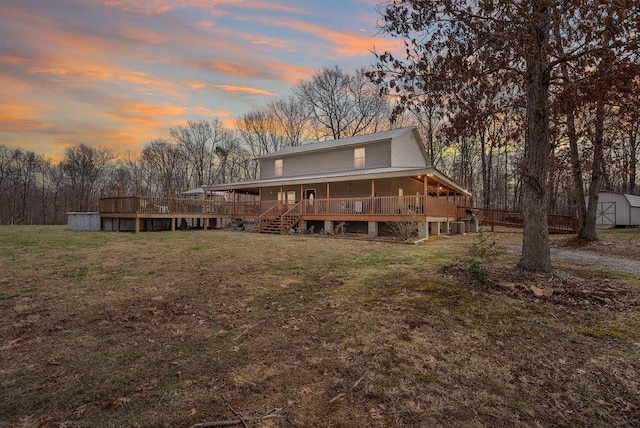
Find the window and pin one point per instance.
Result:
(278, 170)
(288, 197)
(358, 158)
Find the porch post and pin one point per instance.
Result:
(373, 199)
(138, 195)
(423, 230)
(172, 210)
(327, 209)
(373, 228)
(119, 207)
(426, 190)
(235, 208)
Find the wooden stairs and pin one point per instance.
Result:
(273, 222)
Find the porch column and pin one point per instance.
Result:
(327, 190)
(233, 193)
(373, 202)
(426, 191)
(423, 230)
(373, 228)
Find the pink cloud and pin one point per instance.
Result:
(244, 90)
(342, 43)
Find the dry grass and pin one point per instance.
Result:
(107, 329)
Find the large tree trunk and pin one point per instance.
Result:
(536, 256)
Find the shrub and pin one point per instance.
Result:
(481, 252)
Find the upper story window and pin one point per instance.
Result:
(278, 170)
(358, 158)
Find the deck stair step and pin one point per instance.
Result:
(268, 223)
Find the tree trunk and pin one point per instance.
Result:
(633, 160)
(536, 255)
(576, 172)
(485, 173)
(588, 232)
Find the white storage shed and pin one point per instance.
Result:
(617, 209)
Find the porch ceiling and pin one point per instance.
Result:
(364, 174)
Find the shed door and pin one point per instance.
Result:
(606, 213)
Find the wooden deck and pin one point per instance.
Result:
(491, 217)
(380, 208)
(278, 217)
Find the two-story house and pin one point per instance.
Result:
(362, 182)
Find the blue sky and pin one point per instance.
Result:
(118, 73)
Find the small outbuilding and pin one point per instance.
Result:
(617, 209)
(83, 221)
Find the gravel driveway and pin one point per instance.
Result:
(586, 258)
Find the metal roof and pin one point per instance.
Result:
(342, 142)
(196, 191)
(360, 174)
(634, 200)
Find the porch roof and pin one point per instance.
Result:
(334, 177)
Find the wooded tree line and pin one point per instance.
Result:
(474, 127)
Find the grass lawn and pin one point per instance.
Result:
(175, 329)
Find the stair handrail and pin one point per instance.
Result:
(262, 216)
(288, 213)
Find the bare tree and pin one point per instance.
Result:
(84, 169)
(342, 104)
(164, 161)
(198, 141)
(292, 118)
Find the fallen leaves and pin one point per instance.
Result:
(376, 413)
(53, 361)
(120, 402)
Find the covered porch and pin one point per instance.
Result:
(419, 195)
(275, 206)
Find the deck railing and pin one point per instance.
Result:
(405, 206)
(402, 206)
(491, 217)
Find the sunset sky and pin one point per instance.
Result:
(118, 73)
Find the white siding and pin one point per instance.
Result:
(406, 151)
(340, 159)
(634, 209)
(267, 168)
